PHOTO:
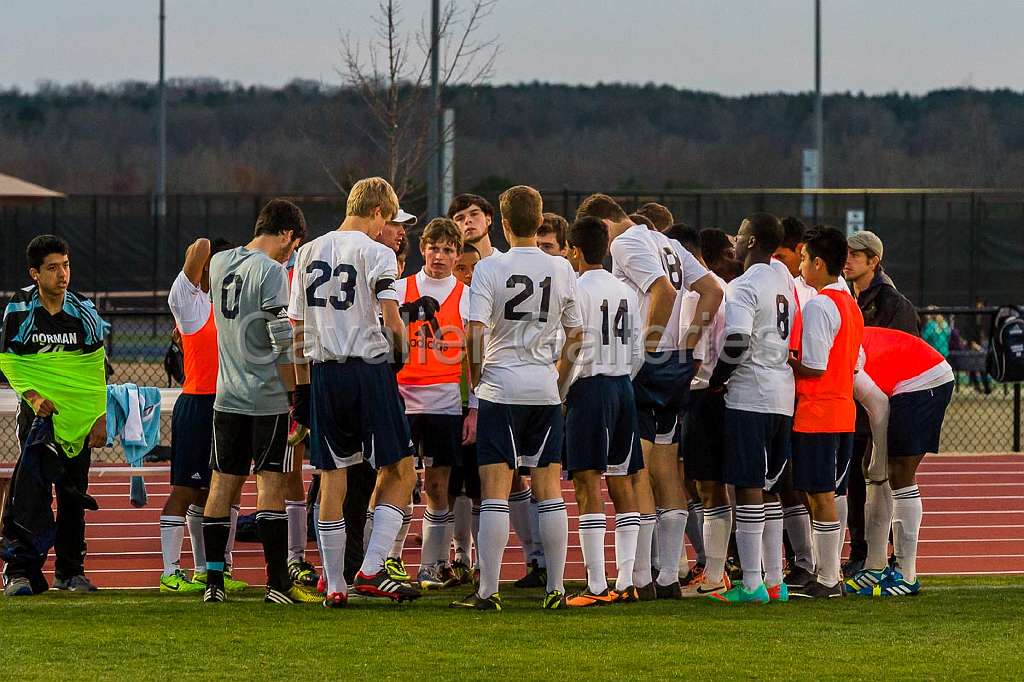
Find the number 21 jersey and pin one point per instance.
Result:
(338, 282)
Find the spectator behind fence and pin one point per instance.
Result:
(937, 333)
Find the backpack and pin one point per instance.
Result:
(1005, 362)
(174, 361)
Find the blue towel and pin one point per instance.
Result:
(133, 414)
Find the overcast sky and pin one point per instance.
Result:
(728, 46)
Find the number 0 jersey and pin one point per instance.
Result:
(524, 297)
(760, 303)
(339, 281)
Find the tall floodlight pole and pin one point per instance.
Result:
(161, 168)
(434, 171)
(819, 123)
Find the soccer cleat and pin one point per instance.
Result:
(647, 593)
(587, 598)
(815, 590)
(693, 576)
(739, 594)
(537, 576)
(381, 585)
(778, 592)
(672, 591)
(432, 577)
(76, 583)
(336, 600)
(461, 572)
(273, 596)
(865, 580)
(214, 594)
(395, 568)
(798, 576)
(626, 596)
(18, 587)
(895, 585)
(475, 601)
(553, 600)
(705, 587)
(232, 585)
(321, 585)
(303, 594)
(302, 573)
(178, 583)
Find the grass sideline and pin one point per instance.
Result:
(956, 628)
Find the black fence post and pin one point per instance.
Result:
(1016, 417)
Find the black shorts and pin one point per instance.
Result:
(600, 426)
(757, 448)
(356, 414)
(518, 435)
(191, 440)
(821, 462)
(915, 420)
(662, 388)
(703, 437)
(244, 443)
(464, 478)
(437, 438)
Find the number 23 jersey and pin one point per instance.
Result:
(760, 303)
(338, 282)
(524, 297)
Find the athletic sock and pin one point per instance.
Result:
(475, 531)
(403, 532)
(447, 536)
(172, 535)
(316, 529)
(519, 516)
(771, 543)
(906, 525)
(670, 529)
(194, 520)
(367, 529)
(387, 523)
(537, 551)
(695, 530)
(229, 549)
(826, 551)
(645, 538)
(797, 522)
(435, 523)
(627, 528)
(553, 524)
(717, 529)
(272, 528)
(297, 529)
(215, 539)
(878, 508)
(749, 531)
(493, 538)
(655, 549)
(843, 511)
(332, 545)
(592, 530)
(462, 536)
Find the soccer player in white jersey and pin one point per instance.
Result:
(759, 395)
(349, 396)
(522, 298)
(600, 418)
(660, 271)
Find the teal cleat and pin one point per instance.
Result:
(740, 594)
(895, 585)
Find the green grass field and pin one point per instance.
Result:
(957, 628)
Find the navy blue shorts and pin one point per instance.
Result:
(356, 414)
(757, 448)
(600, 426)
(703, 437)
(662, 388)
(519, 435)
(821, 462)
(915, 420)
(437, 438)
(191, 440)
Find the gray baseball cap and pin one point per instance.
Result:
(865, 241)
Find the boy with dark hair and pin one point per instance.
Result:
(473, 214)
(551, 235)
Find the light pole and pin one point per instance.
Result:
(434, 135)
(819, 122)
(161, 126)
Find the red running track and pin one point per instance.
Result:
(973, 525)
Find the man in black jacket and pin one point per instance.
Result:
(882, 306)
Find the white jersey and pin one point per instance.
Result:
(189, 304)
(612, 344)
(639, 257)
(337, 285)
(804, 291)
(524, 298)
(709, 347)
(761, 303)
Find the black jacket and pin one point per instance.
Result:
(883, 306)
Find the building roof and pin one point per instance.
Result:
(16, 189)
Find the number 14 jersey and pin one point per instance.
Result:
(524, 297)
(338, 282)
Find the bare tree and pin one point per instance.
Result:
(391, 75)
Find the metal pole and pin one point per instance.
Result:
(819, 122)
(434, 137)
(161, 169)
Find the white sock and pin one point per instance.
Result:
(194, 519)
(475, 529)
(797, 523)
(493, 538)
(644, 541)
(519, 516)
(771, 543)
(592, 529)
(627, 528)
(655, 549)
(749, 531)
(316, 530)
(463, 530)
(296, 510)
(695, 530)
(448, 536)
(230, 547)
(670, 529)
(717, 529)
(877, 522)
(907, 513)
(537, 551)
(843, 510)
(367, 529)
(826, 551)
(553, 523)
(435, 522)
(332, 544)
(172, 534)
(387, 522)
(403, 532)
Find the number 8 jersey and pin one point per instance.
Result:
(338, 282)
(524, 297)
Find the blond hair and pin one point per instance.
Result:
(371, 193)
(442, 231)
(523, 208)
